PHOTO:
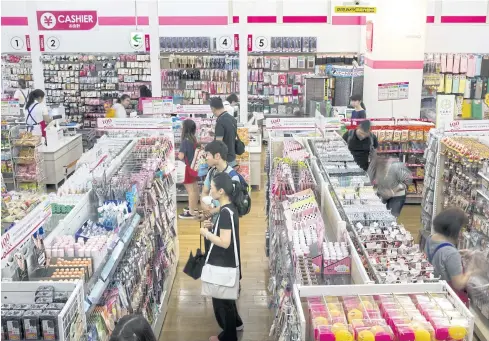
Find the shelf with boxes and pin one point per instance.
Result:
(87, 84)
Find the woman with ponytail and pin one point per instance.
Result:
(222, 252)
(36, 114)
(359, 110)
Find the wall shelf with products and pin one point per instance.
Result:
(464, 76)
(87, 84)
(15, 68)
(457, 175)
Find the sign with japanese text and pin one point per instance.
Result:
(393, 91)
(140, 123)
(467, 125)
(66, 20)
(445, 110)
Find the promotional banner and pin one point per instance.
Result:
(139, 123)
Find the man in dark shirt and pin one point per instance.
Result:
(226, 129)
(359, 143)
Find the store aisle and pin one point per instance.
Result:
(190, 316)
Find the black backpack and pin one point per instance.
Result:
(243, 207)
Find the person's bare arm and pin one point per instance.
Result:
(224, 240)
(181, 156)
(459, 282)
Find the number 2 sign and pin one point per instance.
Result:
(51, 43)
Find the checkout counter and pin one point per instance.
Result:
(62, 151)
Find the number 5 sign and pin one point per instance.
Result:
(258, 43)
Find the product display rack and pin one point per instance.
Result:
(14, 68)
(339, 312)
(87, 84)
(150, 222)
(405, 140)
(464, 76)
(192, 78)
(8, 175)
(458, 177)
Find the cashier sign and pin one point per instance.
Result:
(66, 20)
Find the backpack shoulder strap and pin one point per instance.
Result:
(350, 135)
(431, 256)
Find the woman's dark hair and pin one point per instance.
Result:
(188, 130)
(144, 91)
(449, 222)
(132, 328)
(22, 83)
(33, 95)
(232, 98)
(123, 97)
(358, 98)
(223, 181)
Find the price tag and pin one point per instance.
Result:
(261, 43)
(52, 43)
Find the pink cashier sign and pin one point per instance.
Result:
(66, 20)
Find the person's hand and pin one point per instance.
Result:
(208, 224)
(466, 252)
(203, 231)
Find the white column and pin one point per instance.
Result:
(243, 69)
(399, 36)
(37, 67)
(154, 36)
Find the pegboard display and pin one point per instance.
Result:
(14, 68)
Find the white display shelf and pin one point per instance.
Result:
(440, 287)
(165, 298)
(481, 327)
(71, 319)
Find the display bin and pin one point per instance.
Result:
(376, 295)
(71, 320)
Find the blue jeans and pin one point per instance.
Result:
(395, 204)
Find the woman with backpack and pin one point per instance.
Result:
(225, 254)
(186, 154)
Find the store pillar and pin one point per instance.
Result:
(394, 44)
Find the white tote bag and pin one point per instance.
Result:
(217, 281)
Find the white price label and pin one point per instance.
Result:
(261, 44)
(225, 43)
(17, 43)
(52, 43)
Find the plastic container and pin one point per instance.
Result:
(49, 324)
(32, 325)
(13, 324)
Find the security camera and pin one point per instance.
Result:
(357, 3)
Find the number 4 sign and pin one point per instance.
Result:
(226, 43)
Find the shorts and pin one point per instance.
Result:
(188, 179)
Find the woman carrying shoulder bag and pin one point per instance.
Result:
(220, 275)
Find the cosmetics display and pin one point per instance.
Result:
(115, 232)
(85, 85)
(386, 317)
(15, 68)
(387, 249)
(7, 159)
(404, 141)
(465, 76)
(194, 79)
(276, 83)
(33, 311)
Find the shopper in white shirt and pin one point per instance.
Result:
(22, 94)
(120, 106)
(36, 113)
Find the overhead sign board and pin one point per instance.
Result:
(66, 20)
(355, 10)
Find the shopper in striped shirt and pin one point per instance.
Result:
(392, 184)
